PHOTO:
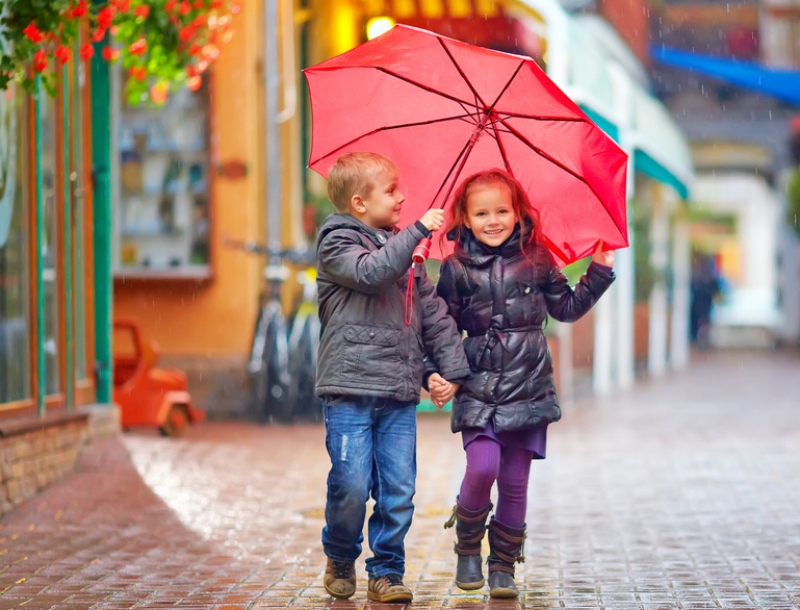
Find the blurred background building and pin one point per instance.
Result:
(200, 170)
(701, 95)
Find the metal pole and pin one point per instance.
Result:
(68, 292)
(273, 157)
(101, 202)
(41, 385)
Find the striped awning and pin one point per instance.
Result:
(433, 9)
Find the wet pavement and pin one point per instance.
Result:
(683, 493)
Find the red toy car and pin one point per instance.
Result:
(149, 396)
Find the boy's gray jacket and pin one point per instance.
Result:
(366, 348)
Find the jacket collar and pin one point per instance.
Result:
(345, 221)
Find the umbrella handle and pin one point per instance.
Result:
(418, 257)
(422, 251)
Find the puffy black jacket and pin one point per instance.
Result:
(501, 298)
(366, 348)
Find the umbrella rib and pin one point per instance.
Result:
(467, 146)
(379, 129)
(508, 84)
(544, 155)
(461, 72)
(423, 87)
(512, 115)
(500, 146)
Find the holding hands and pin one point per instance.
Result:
(442, 391)
(603, 258)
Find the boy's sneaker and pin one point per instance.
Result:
(389, 589)
(340, 579)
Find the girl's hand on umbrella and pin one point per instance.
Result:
(603, 258)
(433, 219)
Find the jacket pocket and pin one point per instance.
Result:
(370, 354)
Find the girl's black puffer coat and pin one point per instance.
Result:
(501, 298)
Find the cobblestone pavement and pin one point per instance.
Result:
(683, 493)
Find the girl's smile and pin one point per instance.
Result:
(490, 213)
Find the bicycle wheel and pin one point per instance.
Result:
(268, 366)
(304, 344)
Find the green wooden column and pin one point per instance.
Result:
(41, 381)
(69, 292)
(101, 163)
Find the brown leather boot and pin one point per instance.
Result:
(470, 530)
(506, 546)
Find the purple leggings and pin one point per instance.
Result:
(487, 462)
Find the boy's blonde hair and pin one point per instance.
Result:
(353, 174)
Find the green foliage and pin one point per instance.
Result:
(793, 201)
(646, 274)
(575, 271)
(162, 44)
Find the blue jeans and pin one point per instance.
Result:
(372, 443)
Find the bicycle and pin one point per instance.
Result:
(281, 367)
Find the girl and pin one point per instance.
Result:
(499, 285)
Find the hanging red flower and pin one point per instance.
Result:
(110, 53)
(87, 51)
(80, 9)
(159, 92)
(186, 33)
(138, 48)
(33, 33)
(169, 52)
(195, 83)
(105, 18)
(137, 72)
(62, 54)
(39, 61)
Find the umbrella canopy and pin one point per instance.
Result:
(443, 109)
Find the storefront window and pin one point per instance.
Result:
(15, 383)
(163, 218)
(50, 258)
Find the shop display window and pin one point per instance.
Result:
(162, 218)
(15, 354)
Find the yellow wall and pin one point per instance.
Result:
(216, 318)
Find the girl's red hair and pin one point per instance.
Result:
(527, 216)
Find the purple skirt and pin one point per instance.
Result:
(533, 440)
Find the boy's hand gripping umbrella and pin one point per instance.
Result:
(440, 109)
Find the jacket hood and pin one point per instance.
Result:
(346, 221)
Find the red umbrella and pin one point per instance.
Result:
(442, 109)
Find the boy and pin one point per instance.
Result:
(369, 370)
